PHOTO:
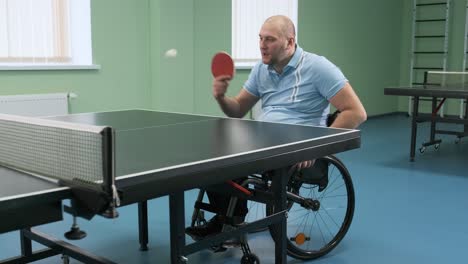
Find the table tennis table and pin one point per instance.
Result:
(435, 92)
(149, 154)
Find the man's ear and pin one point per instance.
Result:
(291, 42)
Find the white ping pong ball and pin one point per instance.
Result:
(170, 53)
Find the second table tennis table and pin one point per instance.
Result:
(156, 154)
(434, 92)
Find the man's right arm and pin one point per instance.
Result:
(237, 106)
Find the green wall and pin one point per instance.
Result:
(120, 45)
(363, 37)
(213, 26)
(173, 83)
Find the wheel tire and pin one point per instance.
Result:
(339, 182)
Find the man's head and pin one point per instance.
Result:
(277, 41)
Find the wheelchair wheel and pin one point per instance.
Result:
(319, 222)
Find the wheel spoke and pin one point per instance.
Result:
(326, 226)
(326, 212)
(329, 184)
(297, 218)
(333, 190)
(334, 196)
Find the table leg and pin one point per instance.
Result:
(177, 227)
(278, 185)
(465, 127)
(26, 244)
(414, 127)
(433, 122)
(143, 225)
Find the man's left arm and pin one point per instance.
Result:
(352, 111)
(351, 116)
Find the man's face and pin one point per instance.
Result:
(273, 46)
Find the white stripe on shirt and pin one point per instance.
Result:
(298, 79)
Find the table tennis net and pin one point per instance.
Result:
(58, 150)
(446, 78)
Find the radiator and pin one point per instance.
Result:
(51, 104)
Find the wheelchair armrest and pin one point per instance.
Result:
(331, 117)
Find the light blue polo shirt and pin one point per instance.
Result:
(300, 94)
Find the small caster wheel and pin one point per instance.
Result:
(250, 259)
(436, 146)
(65, 259)
(422, 149)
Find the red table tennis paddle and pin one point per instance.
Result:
(222, 64)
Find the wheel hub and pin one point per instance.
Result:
(311, 204)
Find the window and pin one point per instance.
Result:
(247, 18)
(43, 34)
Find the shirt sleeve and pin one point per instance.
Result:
(330, 79)
(251, 85)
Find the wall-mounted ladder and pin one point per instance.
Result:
(429, 40)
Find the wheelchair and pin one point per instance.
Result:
(320, 208)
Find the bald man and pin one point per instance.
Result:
(295, 87)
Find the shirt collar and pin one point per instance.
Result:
(294, 62)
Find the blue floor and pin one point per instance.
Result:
(405, 212)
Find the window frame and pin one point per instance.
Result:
(71, 44)
(242, 30)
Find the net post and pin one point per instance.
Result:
(108, 163)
